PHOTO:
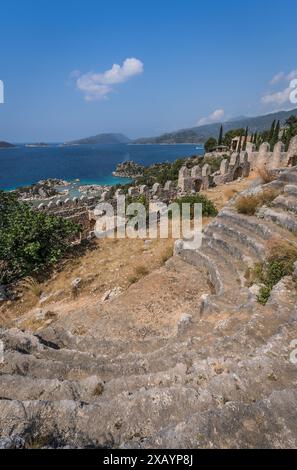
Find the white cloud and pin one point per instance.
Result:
(277, 78)
(96, 86)
(282, 96)
(216, 116)
(279, 97)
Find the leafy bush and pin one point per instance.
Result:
(30, 240)
(210, 144)
(208, 208)
(280, 263)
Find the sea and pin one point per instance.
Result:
(90, 164)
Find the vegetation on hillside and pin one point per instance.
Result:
(249, 204)
(208, 208)
(30, 240)
(280, 263)
(275, 134)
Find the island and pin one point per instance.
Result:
(128, 169)
(101, 139)
(6, 145)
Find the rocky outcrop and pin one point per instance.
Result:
(128, 169)
(44, 189)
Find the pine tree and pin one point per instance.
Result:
(220, 140)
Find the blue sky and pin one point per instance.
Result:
(193, 61)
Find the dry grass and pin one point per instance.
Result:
(141, 270)
(266, 175)
(281, 250)
(32, 286)
(133, 279)
(167, 255)
(249, 204)
(229, 193)
(98, 390)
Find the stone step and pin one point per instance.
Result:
(288, 176)
(239, 240)
(287, 203)
(262, 230)
(19, 387)
(280, 217)
(249, 223)
(222, 257)
(236, 425)
(291, 190)
(101, 348)
(106, 423)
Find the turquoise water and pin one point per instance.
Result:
(91, 164)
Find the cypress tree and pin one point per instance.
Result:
(245, 138)
(240, 144)
(277, 131)
(272, 131)
(275, 137)
(220, 140)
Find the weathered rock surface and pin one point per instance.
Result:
(222, 378)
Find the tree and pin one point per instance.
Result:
(245, 138)
(275, 137)
(30, 240)
(291, 121)
(210, 144)
(220, 141)
(272, 131)
(231, 135)
(239, 144)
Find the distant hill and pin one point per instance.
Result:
(201, 133)
(102, 139)
(5, 145)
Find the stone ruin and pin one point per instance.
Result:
(238, 166)
(81, 210)
(76, 209)
(195, 179)
(272, 158)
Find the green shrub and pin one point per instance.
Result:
(208, 208)
(264, 295)
(30, 240)
(280, 263)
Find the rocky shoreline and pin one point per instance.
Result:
(43, 189)
(128, 169)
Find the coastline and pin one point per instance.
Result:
(91, 164)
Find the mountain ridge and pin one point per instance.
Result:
(199, 134)
(104, 138)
